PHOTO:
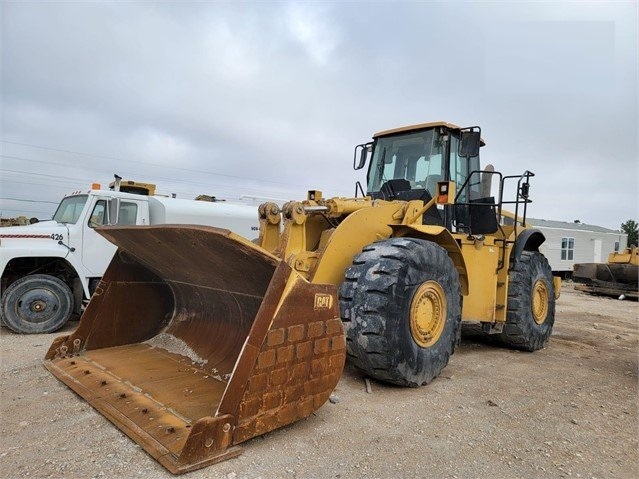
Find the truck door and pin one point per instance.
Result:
(97, 252)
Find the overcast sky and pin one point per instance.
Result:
(269, 99)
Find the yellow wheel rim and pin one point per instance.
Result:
(539, 304)
(428, 314)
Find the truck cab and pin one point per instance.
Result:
(49, 268)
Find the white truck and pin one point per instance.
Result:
(48, 268)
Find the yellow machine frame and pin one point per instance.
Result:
(321, 254)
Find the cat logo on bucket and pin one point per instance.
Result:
(323, 301)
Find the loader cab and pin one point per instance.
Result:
(407, 163)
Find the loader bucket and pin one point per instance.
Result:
(197, 340)
(608, 272)
(609, 279)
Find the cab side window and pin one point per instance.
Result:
(127, 213)
(98, 215)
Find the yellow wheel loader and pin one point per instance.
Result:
(197, 340)
(618, 277)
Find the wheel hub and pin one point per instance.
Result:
(539, 303)
(38, 306)
(428, 314)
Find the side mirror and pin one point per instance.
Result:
(114, 208)
(364, 149)
(470, 142)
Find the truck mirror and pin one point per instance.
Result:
(469, 144)
(114, 208)
(364, 149)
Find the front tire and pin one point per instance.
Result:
(38, 303)
(531, 303)
(400, 303)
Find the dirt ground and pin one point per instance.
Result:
(569, 410)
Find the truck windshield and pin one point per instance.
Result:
(70, 209)
(416, 157)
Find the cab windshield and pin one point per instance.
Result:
(416, 157)
(419, 158)
(70, 209)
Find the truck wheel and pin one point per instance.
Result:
(531, 303)
(400, 303)
(37, 304)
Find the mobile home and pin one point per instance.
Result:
(569, 243)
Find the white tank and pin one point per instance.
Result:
(239, 218)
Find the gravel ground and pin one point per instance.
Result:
(569, 410)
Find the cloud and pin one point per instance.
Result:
(162, 147)
(309, 26)
(270, 98)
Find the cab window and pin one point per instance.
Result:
(98, 215)
(127, 213)
(460, 168)
(415, 157)
(70, 209)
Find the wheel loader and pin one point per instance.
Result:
(197, 340)
(618, 277)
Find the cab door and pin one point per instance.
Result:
(97, 252)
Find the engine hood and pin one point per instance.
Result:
(44, 233)
(36, 229)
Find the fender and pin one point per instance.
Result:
(443, 237)
(39, 239)
(46, 250)
(356, 231)
(528, 240)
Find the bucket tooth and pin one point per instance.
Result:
(197, 340)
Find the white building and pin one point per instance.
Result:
(570, 243)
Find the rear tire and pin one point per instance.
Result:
(531, 304)
(400, 304)
(39, 303)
